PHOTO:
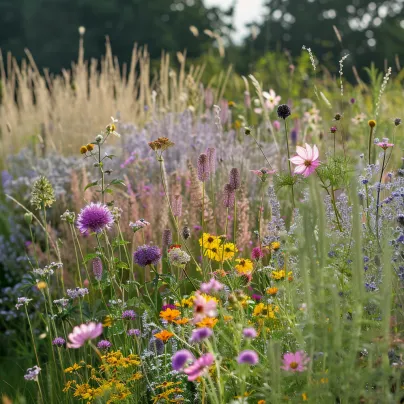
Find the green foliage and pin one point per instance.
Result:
(335, 172)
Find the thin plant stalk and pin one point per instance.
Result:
(290, 167)
(378, 197)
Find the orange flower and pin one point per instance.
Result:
(169, 314)
(272, 291)
(207, 322)
(164, 335)
(181, 321)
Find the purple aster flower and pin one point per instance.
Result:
(200, 334)
(133, 332)
(248, 356)
(181, 358)
(94, 218)
(83, 333)
(147, 255)
(104, 345)
(249, 332)
(97, 268)
(59, 341)
(128, 315)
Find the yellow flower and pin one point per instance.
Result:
(90, 147)
(108, 320)
(261, 402)
(208, 241)
(73, 368)
(165, 385)
(69, 385)
(41, 285)
(136, 376)
(164, 335)
(208, 322)
(278, 275)
(189, 302)
(264, 310)
(214, 253)
(244, 266)
(83, 149)
(275, 246)
(290, 276)
(169, 314)
(229, 250)
(272, 291)
(304, 397)
(227, 318)
(181, 321)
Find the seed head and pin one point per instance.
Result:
(397, 121)
(229, 197)
(203, 167)
(372, 123)
(284, 111)
(42, 194)
(337, 117)
(83, 149)
(234, 178)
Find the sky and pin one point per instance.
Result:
(246, 11)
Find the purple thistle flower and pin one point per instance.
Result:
(211, 153)
(94, 218)
(229, 196)
(104, 345)
(248, 357)
(249, 332)
(166, 239)
(181, 358)
(147, 255)
(97, 268)
(177, 206)
(200, 334)
(203, 167)
(59, 341)
(128, 315)
(133, 332)
(234, 179)
(83, 333)
(256, 253)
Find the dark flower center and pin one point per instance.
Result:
(294, 365)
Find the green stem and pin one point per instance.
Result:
(370, 145)
(378, 197)
(290, 167)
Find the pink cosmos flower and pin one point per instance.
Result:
(385, 145)
(271, 99)
(83, 333)
(199, 367)
(306, 160)
(203, 308)
(295, 362)
(212, 285)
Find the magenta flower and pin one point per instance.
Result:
(333, 129)
(83, 333)
(295, 362)
(199, 334)
(248, 357)
(199, 367)
(94, 218)
(256, 253)
(385, 145)
(203, 308)
(212, 285)
(250, 333)
(306, 160)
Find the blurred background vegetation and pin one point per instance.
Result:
(371, 31)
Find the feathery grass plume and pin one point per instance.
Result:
(42, 194)
(234, 178)
(325, 99)
(177, 205)
(203, 167)
(166, 239)
(382, 89)
(228, 196)
(211, 153)
(341, 67)
(312, 60)
(337, 34)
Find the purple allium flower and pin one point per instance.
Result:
(203, 167)
(147, 255)
(59, 341)
(256, 253)
(167, 238)
(181, 358)
(177, 206)
(234, 178)
(333, 129)
(83, 333)
(128, 315)
(250, 332)
(248, 356)
(212, 285)
(211, 153)
(199, 334)
(97, 268)
(228, 196)
(199, 367)
(104, 345)
(32, 373)
(133, 332)
(94, 218)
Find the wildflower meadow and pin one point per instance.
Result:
(194, 239)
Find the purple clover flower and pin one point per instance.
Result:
(248, 357)
(94, 218)
(147, 255)
(128, 315)
(249, 333)
(59, 341)
(104, 345)
(133, 332)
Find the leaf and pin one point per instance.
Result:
(108, 191)
(122, 265)
(109, 156)
(91, 184)
(118, 182)
(90, 257)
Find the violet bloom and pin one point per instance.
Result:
(94, 218)
(59, 341)
(306, 160)
(128, 315)
(83, 333)
(139, 224)
(133, 332)
(147, 255)
(32, 373)
(250, 333)
(181, 358)
(295, 362)
(248, 357)
(256, 297)
(200, 334)
(256, 253)
(199, 367)
(203, 167)
(212, 285)
(104, 345)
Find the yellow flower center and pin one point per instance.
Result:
(294, 365)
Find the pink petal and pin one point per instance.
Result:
(300, 169)
(309, 152)
(315, 152)
(301, 151)
(297, 160)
